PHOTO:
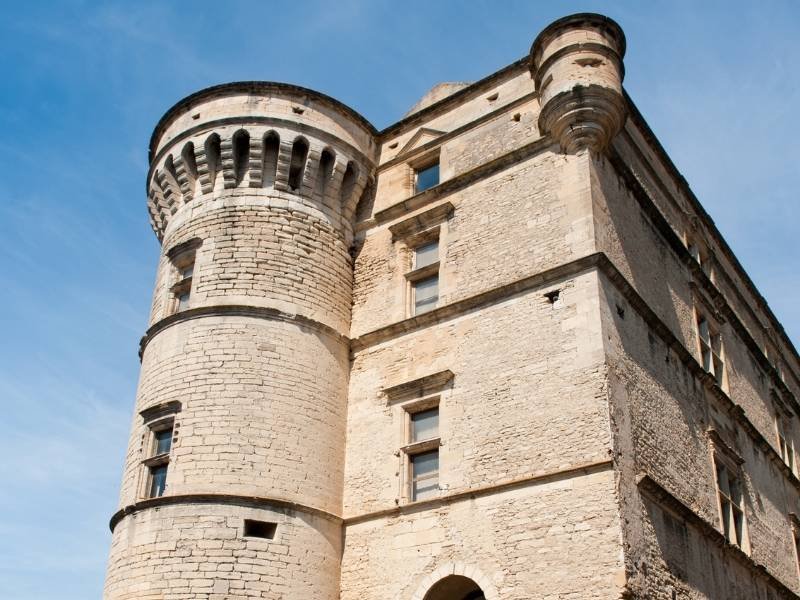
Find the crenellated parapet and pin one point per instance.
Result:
(577, 67)
(260, 139)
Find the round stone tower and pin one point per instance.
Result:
(233, 478)
(578, 71)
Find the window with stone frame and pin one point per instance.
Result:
(157, 447)
(785, 441)
(710, 343)
(422, 449)
(182, 259)
(424, 277)
(730, 501)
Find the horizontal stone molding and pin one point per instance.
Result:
(460, 307)
(576, 470)
(219, 499)
(237, 310)
(659, 494)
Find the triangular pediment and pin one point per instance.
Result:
(422, 137)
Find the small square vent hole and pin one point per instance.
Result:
(259, 529)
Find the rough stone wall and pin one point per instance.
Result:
(198, 551)
(255, 411)
(641, 253)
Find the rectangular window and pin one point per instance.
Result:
(424, 425)
(710, 349)
(426, 254)
(156, 463)
(731, 504)
(426, 177)
(422, 450)
(426, 294)
(424, 475)
(181, 289)
(158, 481)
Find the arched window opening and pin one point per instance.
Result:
(348, 182)
(298, 163)
(326, 160)
(213, 151)
(455, 587)
(189, 165)
(241, 154)
(270, 159)
(365, 203)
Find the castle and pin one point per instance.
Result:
(496, 351)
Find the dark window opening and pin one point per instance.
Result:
(326, 161)
(298, 163)
(241, 154)
(270, 161)
(213, 150)
(259, 529)
(348, 182)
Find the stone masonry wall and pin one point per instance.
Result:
(261, 401)
(199, 551)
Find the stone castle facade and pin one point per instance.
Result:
(495, 351)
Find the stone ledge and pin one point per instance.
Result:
(225, 499)
(541, 477)
(236, 310)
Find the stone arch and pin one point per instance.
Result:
(454, 578)
(241, 154)
(348, 182)
(189, 162)
(269, 158)
(213, 154)
(326, 161)
(297, 165)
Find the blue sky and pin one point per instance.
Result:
(82, 85)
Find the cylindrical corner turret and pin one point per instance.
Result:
(578, 71)
(233, 480)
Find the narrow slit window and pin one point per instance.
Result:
(710, 349)
(298, 163)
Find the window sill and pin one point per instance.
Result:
(157, 460)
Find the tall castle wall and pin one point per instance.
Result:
(252, 191)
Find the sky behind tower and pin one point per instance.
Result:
(85, 82)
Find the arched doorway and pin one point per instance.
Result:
(455, 587)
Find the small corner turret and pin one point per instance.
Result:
(576, 63)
